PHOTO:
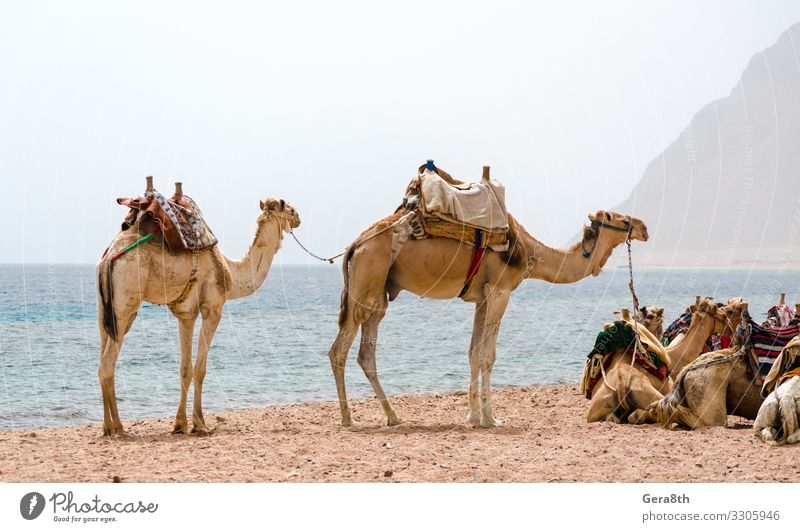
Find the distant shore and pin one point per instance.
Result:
(545, 439)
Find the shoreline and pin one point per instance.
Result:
(545, 439)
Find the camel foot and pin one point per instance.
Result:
(393, 422)
(474, 420)
(114, 431)
(488, 423)
(638, 417)
(179, 430)
(200, 430)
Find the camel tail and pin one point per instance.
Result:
(343, 305)
(672, 410)
(106, 304)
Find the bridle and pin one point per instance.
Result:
(596, 224)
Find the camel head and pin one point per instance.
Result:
(653, 319)
(731, 314)
(707, 309)
(618, 226)
(286, 214)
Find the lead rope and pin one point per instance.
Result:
(329, 259)
(638, 346)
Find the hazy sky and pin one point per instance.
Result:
(333, 105)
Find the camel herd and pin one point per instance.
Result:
(199, 283)
(703, 387)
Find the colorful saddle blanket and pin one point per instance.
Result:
(179, 218)
(679, 326)
(767, 344)
(786, 366)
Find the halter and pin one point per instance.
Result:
(597, 224)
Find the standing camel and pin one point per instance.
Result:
(436, 268)
(189, 283)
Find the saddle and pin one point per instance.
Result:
(446, 207)
(179, 219)
(766, 345)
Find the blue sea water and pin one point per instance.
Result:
(272, 348)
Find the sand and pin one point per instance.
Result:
(545, 439)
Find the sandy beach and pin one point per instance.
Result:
(545, 439)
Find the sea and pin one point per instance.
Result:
(271, 348)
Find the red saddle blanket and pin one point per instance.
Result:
(179, 218)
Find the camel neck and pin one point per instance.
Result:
(689, 348)
(556, 265)
(249, 272)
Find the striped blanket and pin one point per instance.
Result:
(679, 326)
(768, 344)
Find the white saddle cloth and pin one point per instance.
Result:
(481, 205)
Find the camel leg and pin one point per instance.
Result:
(366, 359)
(496, 303)
(185, 330)
(338, 357)
(474, 417)
(211, 318)
(604, 405)
(112, 423)
(643, 398)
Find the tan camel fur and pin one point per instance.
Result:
(776, 422)
(710, 388)
(436, 268)
(189, 283)
(653, 320)
(630, 392)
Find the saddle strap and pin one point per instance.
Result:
(477, 255)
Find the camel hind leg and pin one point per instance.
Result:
(112, 424)
(366, 359)
(365, 271)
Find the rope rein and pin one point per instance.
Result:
(323, 259)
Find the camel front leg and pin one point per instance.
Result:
(211, 318)
(496, 303)
(478, 323)
(366, 359)
(185, 330)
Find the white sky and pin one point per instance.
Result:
(333, 105)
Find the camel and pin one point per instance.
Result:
(776, 422)
(629, 392)
(714, 385)
(189, 283)
(436, 268)
(653, 320)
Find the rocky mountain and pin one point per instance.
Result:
(726, 192)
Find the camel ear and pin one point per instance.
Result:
(262, 204)
(659, 311)
(283, 205)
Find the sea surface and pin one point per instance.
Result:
(271, 348)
